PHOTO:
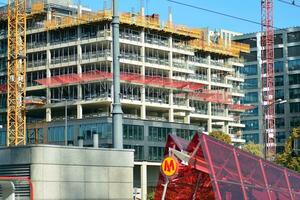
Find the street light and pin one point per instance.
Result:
(265, 108)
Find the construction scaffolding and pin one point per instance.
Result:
(197, 36)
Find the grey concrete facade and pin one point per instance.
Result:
(74, 173)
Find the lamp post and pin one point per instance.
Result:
(265, 108)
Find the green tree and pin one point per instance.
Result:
(255, 149)
(150, 195)
(287, 159)
(221, 136)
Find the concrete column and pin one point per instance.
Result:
(144, 180)
(79, 111)
(171, 110)
(143, 54)
(95, 140)
(187, 118)
(209, 113)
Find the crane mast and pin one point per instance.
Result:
(268, 86)
(16, 73)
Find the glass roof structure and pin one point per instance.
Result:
(216, 170)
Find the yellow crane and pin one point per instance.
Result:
(16, 73)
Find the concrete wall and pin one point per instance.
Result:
(59, 172)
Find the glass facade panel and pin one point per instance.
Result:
(294, 51)
(279, 123)
(250, 97)
(254, 137)
(294, 79)
(156, 153)
(133, 132)
(158, 134)
(278, 66)
(251, 125)
(294, 65)
(279, 108)
(279, 80)
(103, 129)
(250, 83)
(138, 151)
(294, 107)
(294, 93)
(249, 70)
(185, 133)
(293, 37)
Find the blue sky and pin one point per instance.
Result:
(285, 15)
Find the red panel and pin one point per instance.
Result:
(251, 171)
(218, 171)
(275, 176)
(230, 191)
(223, 161)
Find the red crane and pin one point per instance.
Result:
(268, 83)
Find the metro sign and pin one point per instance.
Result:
(169, 166)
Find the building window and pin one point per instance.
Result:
(294, 79)
(185, 133)
(104, 130)
(250, 83)
(295, 122)
(251, 112)
(158, 134)
(250, 57)
(278, 53)
(249, 70)
(57, 134)
(138, 151)
(250, 125)
(279, 108)
(294, 93)
(278, 39)
(294, 51)
(250, 97)
(280, 137)
(278, 66)
(294, 65)
(279, 123)
(251, 138)
(133, 132)
(294, 107)
(279, 94)
(156, 153)
(293, 37)
(2, 138)
(279, 80)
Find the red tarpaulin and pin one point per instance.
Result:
(216, 170)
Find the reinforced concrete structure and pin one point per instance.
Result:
(287, 85)
(174, 79)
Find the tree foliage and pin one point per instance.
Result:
(255, 149)
(287, 159)
(221, 136)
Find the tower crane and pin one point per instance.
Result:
(16, 73)
(268, 85)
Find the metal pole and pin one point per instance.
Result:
(117, 109)
(66, 122)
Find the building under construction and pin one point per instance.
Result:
(174, 79)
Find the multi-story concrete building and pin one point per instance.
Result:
(175, 80)
(287, 70)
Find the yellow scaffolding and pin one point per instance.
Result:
(196, 36)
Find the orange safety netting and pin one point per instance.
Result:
(219, 171)
(126, 77)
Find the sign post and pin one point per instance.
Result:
(169, 168)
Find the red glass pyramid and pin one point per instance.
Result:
(216, 170)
